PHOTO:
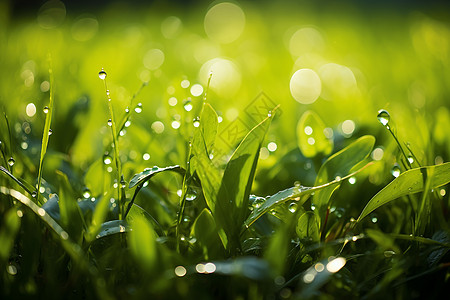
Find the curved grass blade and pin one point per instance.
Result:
(142, 177)
(410, 182)
(46, 132)
(26, 186)
(290, 194)
(113, 227)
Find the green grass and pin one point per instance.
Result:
(236, 191)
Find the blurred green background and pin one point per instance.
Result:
(360, 57)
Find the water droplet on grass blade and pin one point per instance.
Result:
(46, 109)
(383, 117)
(187, 105)
(86, 193)
(107, 159)
(410, 159)
(109, 122)
(191, 196)
(395, 171)
(138, 108)
(11, 161)
(197, 122)
(292, 207)
(102, 74)
(50, 132)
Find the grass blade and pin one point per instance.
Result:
(409, 182)
(46, 132)
(291, 194)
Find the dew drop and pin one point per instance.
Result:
(395, 171)
(127, 110)
(258, 201)
(107, 159)
(197, 122)
(175, 124)
(122, 182)
(352, 180)
(292, 207)
(383, 117)
(11, 161)
(410, 159)
(33, 194)
(138, 108)
(109, 122)
(86, 193)
(12, 270)
(102, 74)
(50, 132)
(191, 196)
(46, 109)
(188, 105)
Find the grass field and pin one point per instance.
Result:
(226, 150)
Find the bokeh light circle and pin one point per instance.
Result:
(226, 77)
(305, 86)
(224, 22)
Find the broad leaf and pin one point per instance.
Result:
(234, 192)
(339, 165)
(143, 244)
(409, 182)
(205, 231)
(308, 227)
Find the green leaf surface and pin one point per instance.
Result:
(234, 191)
(208, 127)
(311, 137)
(70, 212)
(143, 243)
(338, 165)
(409, 182)
(113, 227)
(205, 231)
(308, 227)
(137, 211)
